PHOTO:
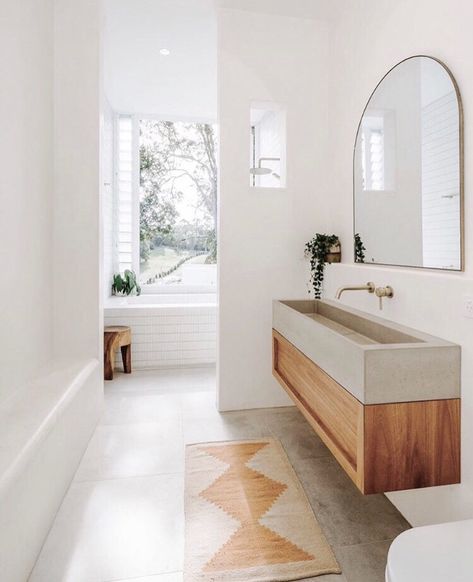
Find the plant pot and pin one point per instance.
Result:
(335, 254)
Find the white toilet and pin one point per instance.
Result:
(435, 553)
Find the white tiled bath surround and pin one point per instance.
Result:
(167, 330)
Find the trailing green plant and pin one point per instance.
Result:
(359, 249)
(317, 250)
(126, 284)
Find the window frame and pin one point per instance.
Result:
(154, 288)
(389, 145)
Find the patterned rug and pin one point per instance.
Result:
(248, 518)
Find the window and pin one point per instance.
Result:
(372, 148)
(267, 146)
(378, 147)
(124, 193)
(167, 203)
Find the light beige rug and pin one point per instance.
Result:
(248, 518)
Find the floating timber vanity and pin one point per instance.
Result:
(384, 398)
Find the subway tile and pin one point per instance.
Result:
(166, 336)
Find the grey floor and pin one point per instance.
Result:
(122, 518)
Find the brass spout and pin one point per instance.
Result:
(370, 287)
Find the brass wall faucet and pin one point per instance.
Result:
(370, 287)
(380, 292)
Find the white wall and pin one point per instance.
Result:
(26, 105)
(366, 43)
(301, 9)
(77, 208)
(262, 231)
(50, 185)
(50, 293)
(108, 206)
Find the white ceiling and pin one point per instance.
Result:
(138, 79)
(182, 85)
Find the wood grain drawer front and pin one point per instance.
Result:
(334, 413)
(412, 444)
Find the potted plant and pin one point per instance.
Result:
(322, 249)
(126, 284)
(359, 249)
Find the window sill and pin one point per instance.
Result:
(177, 289)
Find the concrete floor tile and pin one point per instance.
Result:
(346, 516)
(115, 529)
(364, 562)
(130, 450)
(116, 526)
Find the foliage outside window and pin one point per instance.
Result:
(178, 203)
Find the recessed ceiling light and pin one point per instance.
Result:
(165, 52)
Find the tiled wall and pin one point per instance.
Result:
(440, 188)
(168, 336)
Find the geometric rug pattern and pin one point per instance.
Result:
(248, 518)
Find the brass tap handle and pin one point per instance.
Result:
(381, 292)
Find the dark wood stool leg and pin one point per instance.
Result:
(109, 347)
(113, 338)
(126, 358)
(108, 361)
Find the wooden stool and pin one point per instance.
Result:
(116, 336)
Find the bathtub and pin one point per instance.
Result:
(45, 427)
(169, 330)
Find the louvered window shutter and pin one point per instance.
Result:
(124, 192)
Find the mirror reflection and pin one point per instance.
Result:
(408, 170)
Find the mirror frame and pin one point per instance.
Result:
(461, 168)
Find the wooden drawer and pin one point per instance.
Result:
(382, 447)
(333, 412)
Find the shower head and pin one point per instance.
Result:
(260, 171)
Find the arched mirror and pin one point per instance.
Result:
(408, 170)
